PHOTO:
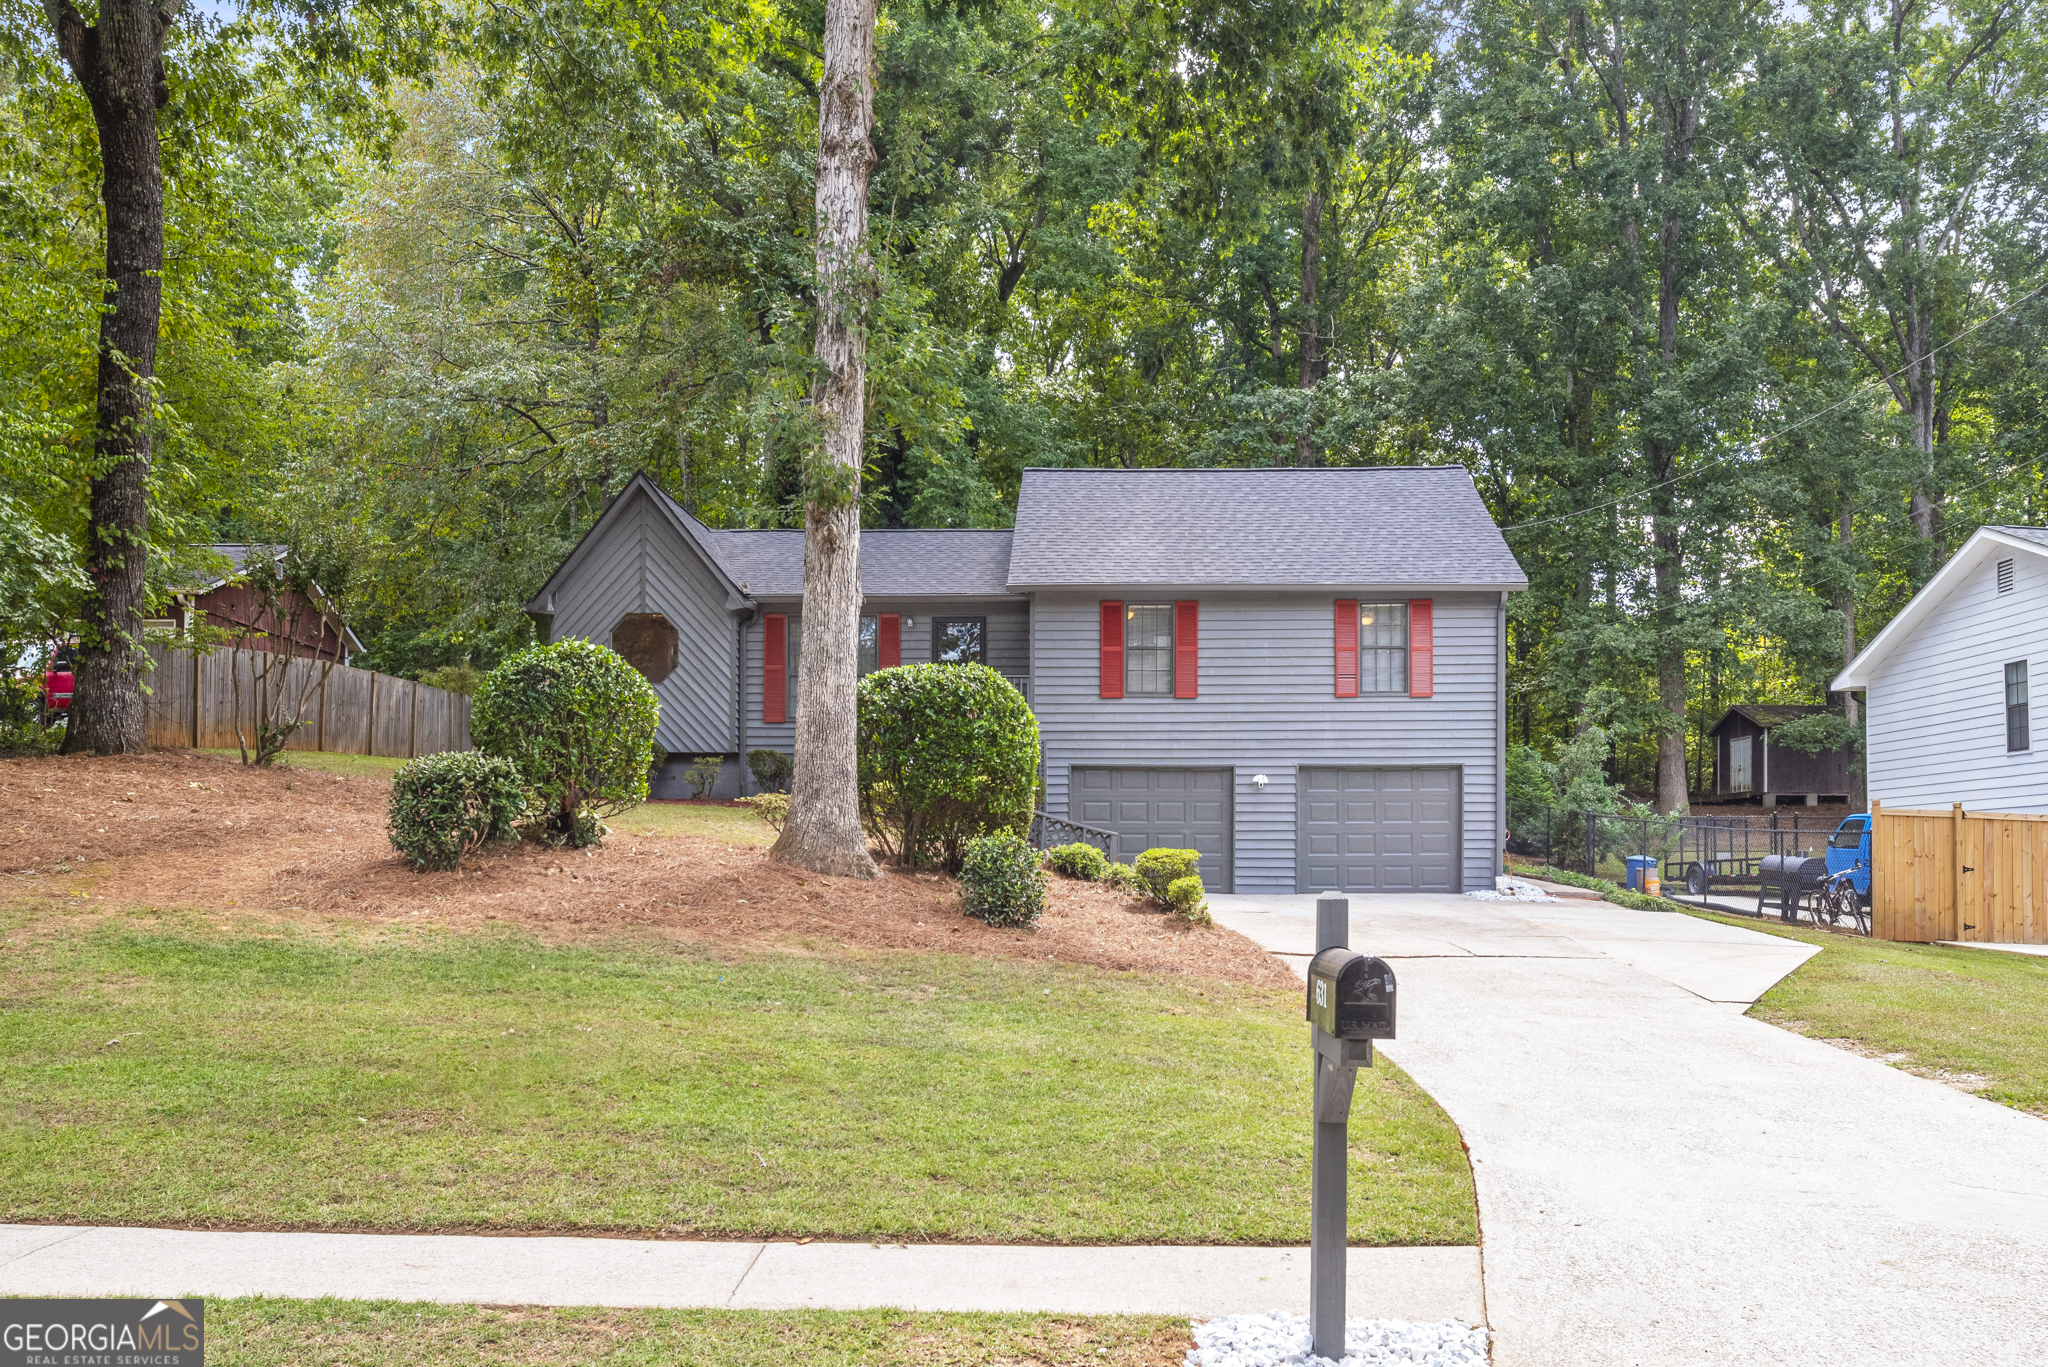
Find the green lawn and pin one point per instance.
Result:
(354, 766)
(332, 1333)
(434, 1081)
(1956, 1011)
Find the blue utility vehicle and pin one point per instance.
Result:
(1849, 849)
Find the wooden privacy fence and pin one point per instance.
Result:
(349, 712)
(1958, 875)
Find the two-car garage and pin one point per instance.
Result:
(1357, 829)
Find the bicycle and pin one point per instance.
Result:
(1836, 901)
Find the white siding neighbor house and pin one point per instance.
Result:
(1950, 682)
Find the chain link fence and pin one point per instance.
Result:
(1696, 854)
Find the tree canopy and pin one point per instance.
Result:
(1733, 311)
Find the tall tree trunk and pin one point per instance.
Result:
(823, 832)
(1311, 336)
(1845, 601)
(118, 63)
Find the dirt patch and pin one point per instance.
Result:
(179, 829)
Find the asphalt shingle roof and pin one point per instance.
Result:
(2039, 535)
(1372, 525)
(1769, 714)
(893, 564)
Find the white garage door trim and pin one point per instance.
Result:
(1086, 804)
(1381, 839)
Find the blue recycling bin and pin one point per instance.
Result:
(1640, 867)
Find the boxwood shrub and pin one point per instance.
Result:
(947, 752)
(1000, 880)
(1125, 877)
(578, 722)
(1078, 860)
(444, 806)
(1184, 899)
(1160, 868)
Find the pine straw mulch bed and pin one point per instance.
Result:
(179, 829)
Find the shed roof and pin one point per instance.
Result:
(1768, 715)
(893, 564)
(1393, 526)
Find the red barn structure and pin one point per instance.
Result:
(227, 602)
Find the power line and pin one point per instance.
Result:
(1850, 397)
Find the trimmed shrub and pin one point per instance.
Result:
(1078, 861)
(702, 775)
(772, 808)
(444, 806)
(1159, 868)
(578, 723)
(1125, 877)
(1184, 899)
(771, 769)
(1000, 881)
(947, 752)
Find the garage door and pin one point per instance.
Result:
(1378, 830)
(1183, 809)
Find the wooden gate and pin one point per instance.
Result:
(1958, 875)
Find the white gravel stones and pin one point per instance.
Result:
(1282, 1340)
(1506, 889)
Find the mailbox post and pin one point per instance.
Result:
(1350, 1004)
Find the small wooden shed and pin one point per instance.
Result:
(1749, 763)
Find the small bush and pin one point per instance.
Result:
(1160, 868)
(947, 752)
(1125, 877)
(771, 768)
(444, 806)
(1078, 861)
(1184, 899)
(1000, 881)
(29, 738)
(702, 775)
(464, 678)
(578, 722)
(772, 808)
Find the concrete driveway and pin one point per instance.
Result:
(1663, 1180)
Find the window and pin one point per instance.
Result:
(1148, 649)
(1383, 647)
(870, 645)
(960, 640)
(1850, 836)
(2016, 733)
(794, 652)
(2005, 576)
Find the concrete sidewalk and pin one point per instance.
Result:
(1393, 1283)
(1664, 1180)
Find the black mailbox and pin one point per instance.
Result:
(1351, 995)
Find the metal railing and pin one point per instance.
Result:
(1048, 830)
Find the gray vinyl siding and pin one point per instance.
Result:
(1937, 702)
(1009, 649)
(641, 563)
(1266, 706)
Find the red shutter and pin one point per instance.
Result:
(1347, 647)
(1421, 647)
(892, 640)
(1186, 620)
(774, 668)
(1112, 650)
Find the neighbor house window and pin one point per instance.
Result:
(1148, 649)
(870, 645)
(960, 641)
(1383, 647)
(2016, 734)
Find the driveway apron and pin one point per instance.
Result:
(1663, 1180)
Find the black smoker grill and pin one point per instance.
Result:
(1793, 875)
